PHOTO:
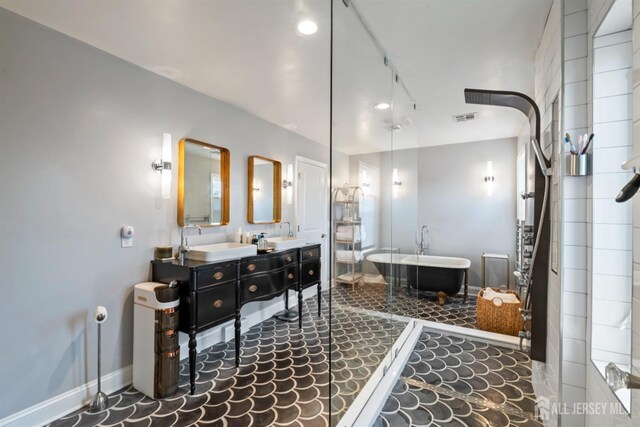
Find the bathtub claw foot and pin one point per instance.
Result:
(442, 298)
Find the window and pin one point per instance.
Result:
(369, 177)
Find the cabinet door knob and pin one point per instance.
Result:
(289, 259)
(290, 276)
(219, 275)
(253, 288)
(251, 267)
(217, 303)
(310, 272)
(310, 254)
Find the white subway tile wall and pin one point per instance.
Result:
(548, 85)
(575, 230)
(610, 115)
(610, 339)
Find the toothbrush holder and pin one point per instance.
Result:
(578, 164)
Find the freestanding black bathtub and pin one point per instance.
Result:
(443, 275)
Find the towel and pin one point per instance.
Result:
(349, 256)
(490, 294)
(350, 233)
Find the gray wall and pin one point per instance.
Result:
(443, 187)
(79, 129)
(452, 200)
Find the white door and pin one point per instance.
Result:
(312, 208)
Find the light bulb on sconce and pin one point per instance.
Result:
(287, 184)
(489, 178)
(163, 165)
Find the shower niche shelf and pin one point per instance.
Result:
(578, 164)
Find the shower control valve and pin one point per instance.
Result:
(529, 195)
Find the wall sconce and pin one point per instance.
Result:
(396, 183)
(489, 178)
(287, 184)
(163, 165)
(396, 180)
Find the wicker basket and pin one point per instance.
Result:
(500, 317)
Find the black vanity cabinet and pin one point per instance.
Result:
(214, 293)
(263, 277)
(207, 297)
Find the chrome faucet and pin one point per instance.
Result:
(422, 245)
(290, 233)
(617, 378)
(184, 245)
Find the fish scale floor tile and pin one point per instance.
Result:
(376, 297)
(452, 381)
(283, 379)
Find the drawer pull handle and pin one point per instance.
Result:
(310, 272)
(253, 288)
(289, 259)
(217, 303)
(251, 267)
(290, 276)
(310, 254)
(170, 333)
(219, 275)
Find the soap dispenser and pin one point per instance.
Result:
(263, 244)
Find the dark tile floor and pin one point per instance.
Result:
(451, 381)
(283, 379)
(377, 297)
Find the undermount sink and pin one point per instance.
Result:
(286, 242)
(221, 251)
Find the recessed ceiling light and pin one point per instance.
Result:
(382, 106)
(307, 27)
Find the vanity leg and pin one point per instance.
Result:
(286, 301)
(300, 307)
(237, 331)
(319, 298)
(237, 323)
(193, 343)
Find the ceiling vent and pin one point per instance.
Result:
(394, 127)
(397, 124)
(459, 118)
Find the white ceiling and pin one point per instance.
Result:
(247, 53)
(441, 47)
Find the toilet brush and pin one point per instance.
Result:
(100, 401)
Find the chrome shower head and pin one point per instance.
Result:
(546, 170)
(631, 188)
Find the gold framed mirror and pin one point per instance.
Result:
(203, 184)
(265, 191)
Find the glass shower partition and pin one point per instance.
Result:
(370, 204)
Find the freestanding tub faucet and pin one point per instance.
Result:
(421, 243)
(184, 245)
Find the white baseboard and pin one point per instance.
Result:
(72, 400)
(58, 406)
